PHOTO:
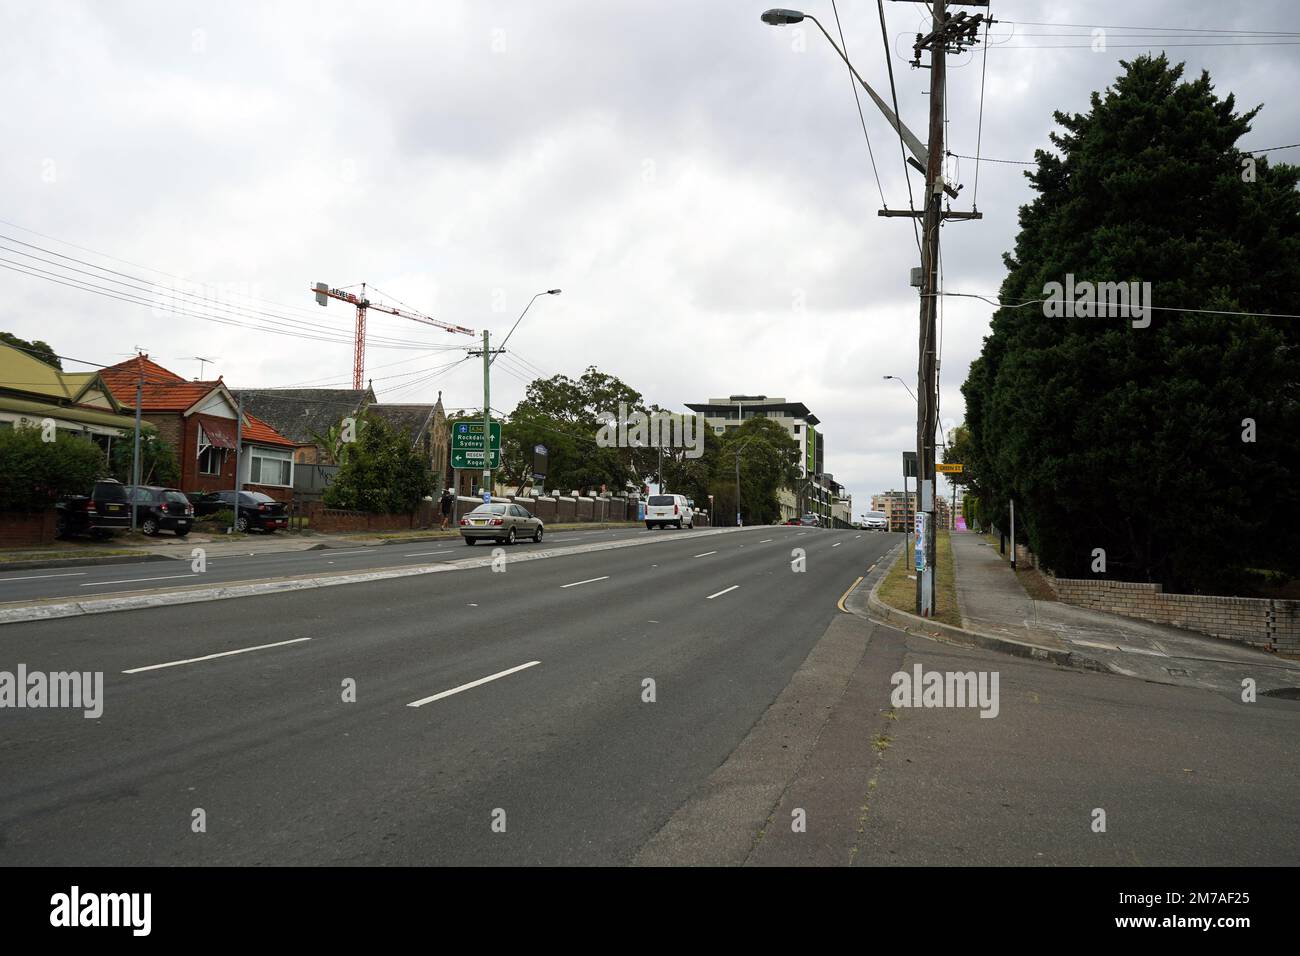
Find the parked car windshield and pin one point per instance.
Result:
(175, 496)
(257, 497)
(493, 509)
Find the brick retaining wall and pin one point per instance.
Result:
(23, 530)
(1259, 622)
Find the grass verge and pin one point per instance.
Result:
(899, 590)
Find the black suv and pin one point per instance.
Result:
(256, 510)
(99, 513)
(161, 509)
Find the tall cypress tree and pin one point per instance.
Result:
(1131, 439)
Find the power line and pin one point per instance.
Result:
(893, 93)
(853, 84)
(1132, 46)
(144, 285)
(979, 130)
(1024, 162)
(135, 299)
(1112, 26)
(104, 255)
(1158, 308)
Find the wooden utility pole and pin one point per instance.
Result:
(947, 33)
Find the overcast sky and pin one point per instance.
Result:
(696, 182)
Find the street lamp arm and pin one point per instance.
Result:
(502, 346)
(916, 147)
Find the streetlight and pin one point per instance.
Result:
(779, 17)
(902, 383)
(502, 346)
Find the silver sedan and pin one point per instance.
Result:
(502, 522)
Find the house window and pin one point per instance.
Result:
(271, 467)
(211, 458)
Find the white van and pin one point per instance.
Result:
(664, 510)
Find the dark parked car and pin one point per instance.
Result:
(99, 513)
(256, 510)
(161, 509)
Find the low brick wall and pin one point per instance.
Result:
(330, 520)
(1259, 622)
(24, 530)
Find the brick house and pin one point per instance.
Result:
(199, 420)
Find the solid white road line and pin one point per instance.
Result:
(332, 553)
(165, 577)
(588, 581)
(707, 553)
(209, 657)
(35, 577)
(722, 592)
(474, 683)
(766, 540)
(837, 544)
(420, 554)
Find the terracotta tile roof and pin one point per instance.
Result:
(163, 390)
(260, 432)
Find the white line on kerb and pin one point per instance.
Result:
(706, 554)
(35, 577)
(722, 592)
(209, 657)
(588, 581)
(332, 553)
(165, 577)
(474, 683)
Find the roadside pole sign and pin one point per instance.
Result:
(946, 468)
(467, 444)
(540, 461)
(909, 464)
(920, 541)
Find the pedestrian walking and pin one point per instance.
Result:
(445, 504)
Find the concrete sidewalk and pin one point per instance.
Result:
(993, 602)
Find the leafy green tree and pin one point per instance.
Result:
(769, 459)
(34, 473)
(158, 464)
(36, 348)
(564, 415)
(380, 472)
(1130, 439)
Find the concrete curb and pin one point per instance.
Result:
(880, 612)
(238, 589)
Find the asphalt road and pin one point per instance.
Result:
(530, 688)
(81, 582)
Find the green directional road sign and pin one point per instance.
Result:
(467, 444)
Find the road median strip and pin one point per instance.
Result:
(61, 608)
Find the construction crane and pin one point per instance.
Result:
(323, 295)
